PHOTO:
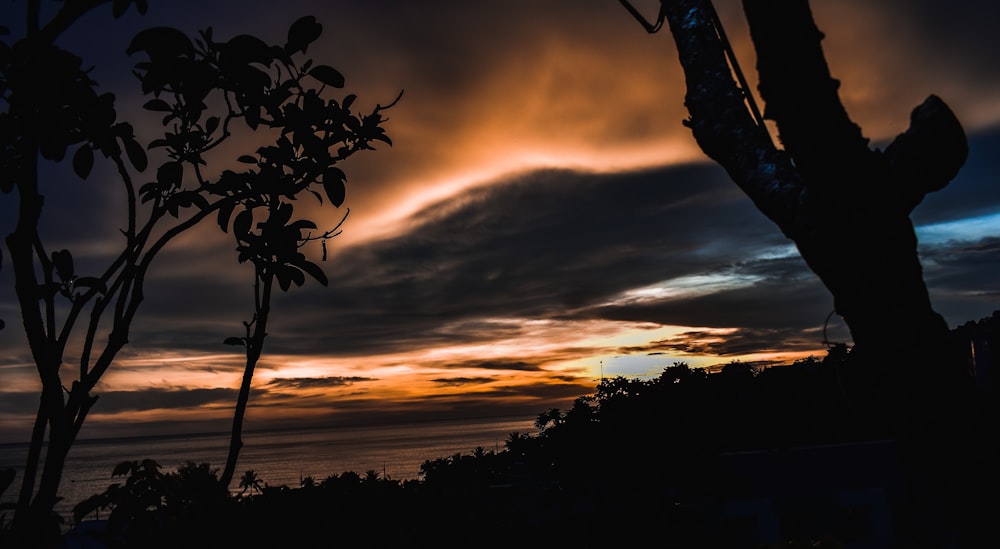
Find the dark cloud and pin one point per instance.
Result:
(739, 342)
(459, 381)
(539, 392)
(315, 382)
(496, 365)
(562, 244)
(542, 245)
(556, 244)
(112, 402)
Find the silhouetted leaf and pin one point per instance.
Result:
(225, 212)
(118, 7)
(186, 199)
(149, 191)
(83, 161)
(170, 174)
(281, 214)
(123, 468)
(242, 223)
(233, 341)
(158, 105)
(247, 159)
(91, 282)
(327, 75)
(136, 154)
(303, 32)
(89, 505)
(160, 43)
(314, 271)
(302, 224)
(62, 260)
(252, 117)
(245, 49)
(296, 275)
(284, 282)
(335, 190)
(211, 124)
(142, 6)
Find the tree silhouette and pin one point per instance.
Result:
(206, 91)
(845, 205)
(316, 132)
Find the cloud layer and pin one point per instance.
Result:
(542, 218)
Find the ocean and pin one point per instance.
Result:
(278, 457)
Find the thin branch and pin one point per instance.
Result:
(70, 12)
(130, 192)
(49, 298)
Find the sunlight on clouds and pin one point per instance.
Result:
(188, 370)
(962, 230)
(685, 287)
(396, 217)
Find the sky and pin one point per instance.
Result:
(542, 219)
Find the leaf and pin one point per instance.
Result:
(149, 191)
(252, 117)
(118, 7)
(302, 224)
(161, 43)
(63, 262)
(170, 174)
(242, 223)
(136, 154)
(303, 32)
(234, 341)
(283, 281)
(296, 275)
(89, 505)
(327, 75)
(245, 49)
(211, 124)
(158, 105)
(247, 159)
(91, 282)
(314, 271)
(335, 190)
(83, 161)
(124, 468)
(225, 212)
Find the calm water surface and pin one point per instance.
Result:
(278, 457)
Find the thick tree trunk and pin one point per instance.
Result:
(847, 208)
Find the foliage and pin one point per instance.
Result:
(204, 91)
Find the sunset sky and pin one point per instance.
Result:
(543, 216)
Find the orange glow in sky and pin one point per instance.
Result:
(564, 85)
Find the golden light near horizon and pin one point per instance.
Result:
(586, 92)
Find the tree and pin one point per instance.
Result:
(845, 205)
(206, 91)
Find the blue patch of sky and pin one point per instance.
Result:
(963, 230)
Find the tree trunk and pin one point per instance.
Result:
(255, 346)
(847, 209)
